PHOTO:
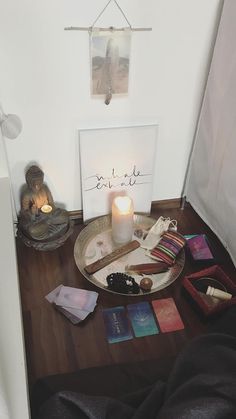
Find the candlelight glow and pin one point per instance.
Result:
(46, 209)
(123, 203)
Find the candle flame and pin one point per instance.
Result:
(123, 203)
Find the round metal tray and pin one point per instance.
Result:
(95, 241)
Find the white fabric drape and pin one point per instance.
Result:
(211, 181)
(4, 412)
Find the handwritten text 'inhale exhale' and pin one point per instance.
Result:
(117, 180)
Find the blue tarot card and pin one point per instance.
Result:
(142, 319)
(116, 324)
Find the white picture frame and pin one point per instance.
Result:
(117, 161)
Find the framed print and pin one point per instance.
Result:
(117, 161)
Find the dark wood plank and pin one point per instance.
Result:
(156, 205)
(54, 345)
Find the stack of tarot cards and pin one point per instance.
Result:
(75, 303)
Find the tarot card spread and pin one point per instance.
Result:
(117, 322)
(142, 317)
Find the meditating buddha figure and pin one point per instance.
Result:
(39, 218)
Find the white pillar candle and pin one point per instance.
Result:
(122, 219)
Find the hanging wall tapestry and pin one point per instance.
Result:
(110, 56)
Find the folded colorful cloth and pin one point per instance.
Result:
(168, 247)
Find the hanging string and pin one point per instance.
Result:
(103, 10)
(111, 28)
(123, 13)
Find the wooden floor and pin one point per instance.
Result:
(54, 345)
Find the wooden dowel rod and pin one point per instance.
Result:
(91, 29)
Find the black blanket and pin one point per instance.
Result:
(201, 385)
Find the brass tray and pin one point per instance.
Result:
(95, 241)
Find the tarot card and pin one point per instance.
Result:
(75, 315)
(74, 319)
(76, 312)
(76, 298)
(142, 319)
(199, 248)
(51, 297)
(189, 236)
(167, 315)
(116, 324)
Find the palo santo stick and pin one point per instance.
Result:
(148, 268)
(116, 254)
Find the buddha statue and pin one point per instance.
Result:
(39, 218)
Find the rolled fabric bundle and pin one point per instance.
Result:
(168, 247)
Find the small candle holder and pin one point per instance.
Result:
(122, 219)
(46, 209)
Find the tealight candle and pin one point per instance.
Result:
(122, 219)
(46, 209)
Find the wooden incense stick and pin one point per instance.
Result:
(116, 254)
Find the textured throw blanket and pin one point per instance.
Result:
(201, 385)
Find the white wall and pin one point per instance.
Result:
(3, 161)
(13, 381)
(44, 78)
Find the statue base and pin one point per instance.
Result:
(46, 245)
